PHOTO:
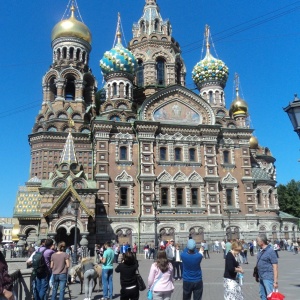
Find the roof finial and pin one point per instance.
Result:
(119, 35)
(207, 33)
(73, 8)
(237, 83)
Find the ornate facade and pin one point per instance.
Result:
(144, 136)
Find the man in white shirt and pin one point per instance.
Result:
(223, 248)
(217, 246)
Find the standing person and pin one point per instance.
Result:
(178, 262)
(123, 249)
(170, 252)
(116, 252)
(192, 274)
(232, 289)
(267, 264)
(160, 278)
(227, 247)
(296, 245)
(205, 247)
(41, 280)
(251, 248)
(127, 270)
(217, 246)
(6, 283)
(134, 250)
(59, 264)
(146, 251)
(151, 251)
(223, 248)
(88, 271)
(107, 271)
(245, 252)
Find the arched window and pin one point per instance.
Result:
(83, 56)
(64, 52)
(70, 88)
(178, 71)
(270, 197)
(258, 197)
(58, 54)
(77, 54)
(115, 118)
(71, 53)
(143, 27)
(123, 153)
(178, 154)
(52, 129)
(127, 90)
(53, 89)
(210, 96)
(192, 154)
(160, 70)
(162, 153)
(140, 74)
(156, 24)
(114, 89)
(226, 157)
(229, 200)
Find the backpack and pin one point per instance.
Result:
(39, 265)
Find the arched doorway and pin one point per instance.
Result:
(124, 236)
(167, 234)
(68, 238)
(197, 233)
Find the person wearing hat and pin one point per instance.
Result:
(171, 251)
(192, 274)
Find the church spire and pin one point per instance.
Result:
(69, 155)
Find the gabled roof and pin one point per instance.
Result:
(69, 190)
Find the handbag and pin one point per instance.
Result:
(140, 282)
(275, 295)
(255, 270)
(150, 291)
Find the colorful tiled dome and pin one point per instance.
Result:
(209, 70)
(118, 59)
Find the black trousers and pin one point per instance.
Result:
(130, 294)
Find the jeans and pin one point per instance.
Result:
(107, 283)
(162, 295)
(265, 288)
(61, 280)
(192, 287)
(41, 287)
(88, 282)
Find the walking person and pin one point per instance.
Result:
(160, 279)
(88, 271)
(59, 264)
(170, 252)
(232, 290)
(296, 245)
(267, 264)
(205, 247)
(245, 252)
(134, 249)
(223, 245)
(127, 270)
(116, 253)
(192, 273)
(107, 271)
(6, 283)
(178, 263)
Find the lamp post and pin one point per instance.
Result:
(293, 111)
(76, 207)
(155, 205)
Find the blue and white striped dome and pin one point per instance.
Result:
(118, 59)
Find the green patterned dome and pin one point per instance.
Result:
(210, 71)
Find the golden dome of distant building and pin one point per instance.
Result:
(253, 142)
(71, 28)
(238, 106)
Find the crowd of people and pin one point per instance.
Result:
(172, 261)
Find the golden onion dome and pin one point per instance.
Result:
(71, 28)
(253, 142)
(238, 107)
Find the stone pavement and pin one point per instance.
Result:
(213, 268)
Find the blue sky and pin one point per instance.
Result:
(257, 39)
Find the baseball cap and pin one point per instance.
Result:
(171, 240)
(191, 244)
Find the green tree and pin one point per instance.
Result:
(289, 197)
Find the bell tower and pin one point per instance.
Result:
(159, 61)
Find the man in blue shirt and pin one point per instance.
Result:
(192, 274)
(267, 264)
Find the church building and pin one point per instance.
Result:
(104, 157)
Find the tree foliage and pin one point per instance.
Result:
(289, 197)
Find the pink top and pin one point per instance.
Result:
(165, 283)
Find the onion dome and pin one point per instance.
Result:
(210, 70)
(118, 59)
(71, 28)
(238, 105)
(253, 142)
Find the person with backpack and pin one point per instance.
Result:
(59, 265)
(41, 270)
